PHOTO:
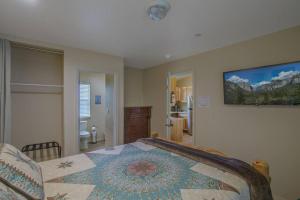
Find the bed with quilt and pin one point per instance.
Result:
(147, 169)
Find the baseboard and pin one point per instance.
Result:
(278, 197)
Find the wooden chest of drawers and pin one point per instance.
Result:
(136, 123)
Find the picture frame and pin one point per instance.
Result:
(97, 99)
(267, 85)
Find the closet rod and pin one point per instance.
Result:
(37, 48)
(39, 85)
(24, 92)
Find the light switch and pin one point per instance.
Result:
(203, 101)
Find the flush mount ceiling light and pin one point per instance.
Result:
(158, 9)
(168, 56)
(30, 1)
(198, 34)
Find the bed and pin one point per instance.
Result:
(152, 169)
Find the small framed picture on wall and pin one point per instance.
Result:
(97, 99)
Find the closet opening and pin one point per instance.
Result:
(96, 105)
(36, 97)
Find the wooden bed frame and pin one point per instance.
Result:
(260, 165)
(209, 150)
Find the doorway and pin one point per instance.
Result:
(180, 105)
(96, 111)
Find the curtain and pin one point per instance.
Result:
(5, 97)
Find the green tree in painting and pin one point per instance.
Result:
(240, 96)
(298, 95)
(266, 98)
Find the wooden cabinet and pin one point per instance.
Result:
(183, 97)
(185, 123)
(178, 94)
(189, 92)
(173, 81)
(177, 129)
(136, 123)
(182, 93)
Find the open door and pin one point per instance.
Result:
(169, 93)
(179, 117)
(97, 107)
(109, 110)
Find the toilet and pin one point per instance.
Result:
(84, 136)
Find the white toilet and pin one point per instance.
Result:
(84, 136)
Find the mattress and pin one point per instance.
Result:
(152, 169)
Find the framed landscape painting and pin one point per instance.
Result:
(268, 85)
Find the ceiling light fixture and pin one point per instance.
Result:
(158, 9)
(30, 1)
(168, 56)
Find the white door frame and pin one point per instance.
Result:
(115, 106)
(169, 74)
(168, 111)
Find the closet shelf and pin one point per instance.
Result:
(37, 85)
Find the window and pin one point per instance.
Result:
(85, 100)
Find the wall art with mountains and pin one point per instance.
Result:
(269, 85)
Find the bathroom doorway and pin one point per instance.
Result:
(180, 107)
(96, 111)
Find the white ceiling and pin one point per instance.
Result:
(121, 27)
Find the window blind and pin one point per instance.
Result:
(85, 100)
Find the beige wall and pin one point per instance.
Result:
(271, 133)
(97, 83)
(36, 111)
(133, 87)
(36, 119)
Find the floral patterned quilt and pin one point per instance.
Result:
(140, 170)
